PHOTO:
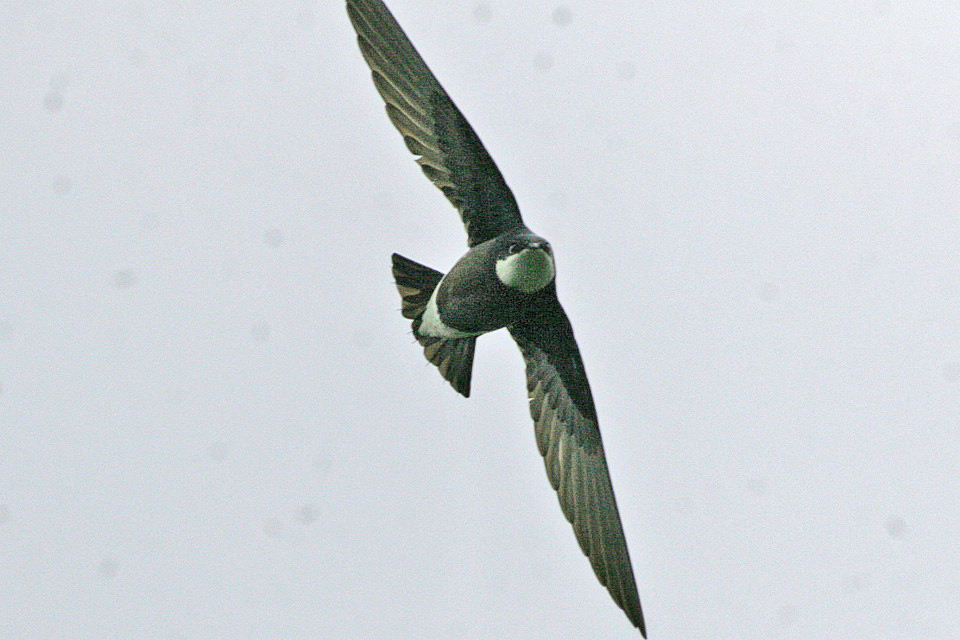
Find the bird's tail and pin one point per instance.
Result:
(452, 356)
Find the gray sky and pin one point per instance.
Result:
(214, 422)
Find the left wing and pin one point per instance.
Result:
(568, 437)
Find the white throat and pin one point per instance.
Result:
(530, 270)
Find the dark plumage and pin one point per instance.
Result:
(505, 280)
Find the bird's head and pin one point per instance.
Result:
(525, 262)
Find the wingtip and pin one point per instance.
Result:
(635, 615)
(639, 624)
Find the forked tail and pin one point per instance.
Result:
(452, 356)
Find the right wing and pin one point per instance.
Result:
(450, 153)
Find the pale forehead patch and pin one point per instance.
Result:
(528, 271)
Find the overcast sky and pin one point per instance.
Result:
(215, 424)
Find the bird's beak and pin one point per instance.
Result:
(542, 245)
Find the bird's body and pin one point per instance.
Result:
(489, 287)
(507, 279)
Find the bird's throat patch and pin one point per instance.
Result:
(528, 271)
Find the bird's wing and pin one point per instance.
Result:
(569, 441)
(450, 153)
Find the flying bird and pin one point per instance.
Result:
(505, 280)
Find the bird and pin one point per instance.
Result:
(506, 279)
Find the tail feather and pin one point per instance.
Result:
(415, 283)
(453, 357)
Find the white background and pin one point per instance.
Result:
(215, 424)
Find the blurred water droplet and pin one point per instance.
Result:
(855, 582)
(482, 12)
(768, 291)
(107, 568)
(53, 101)
(124, 279)
(305, 17)
(61, 185)
(137, 58)
(562, 16)
(786, 615)
(306, 514)
(784, 45)
(751, 22)
(260, 331)
(272, 527)
(543, 61)
(150, 220)
(557, 200)
(951, 371)
(757, 485)
(954, 130)
(273, 237)
(896, 527)
(321, 462)
(363, 338)
(217, 450)
(626, 71)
